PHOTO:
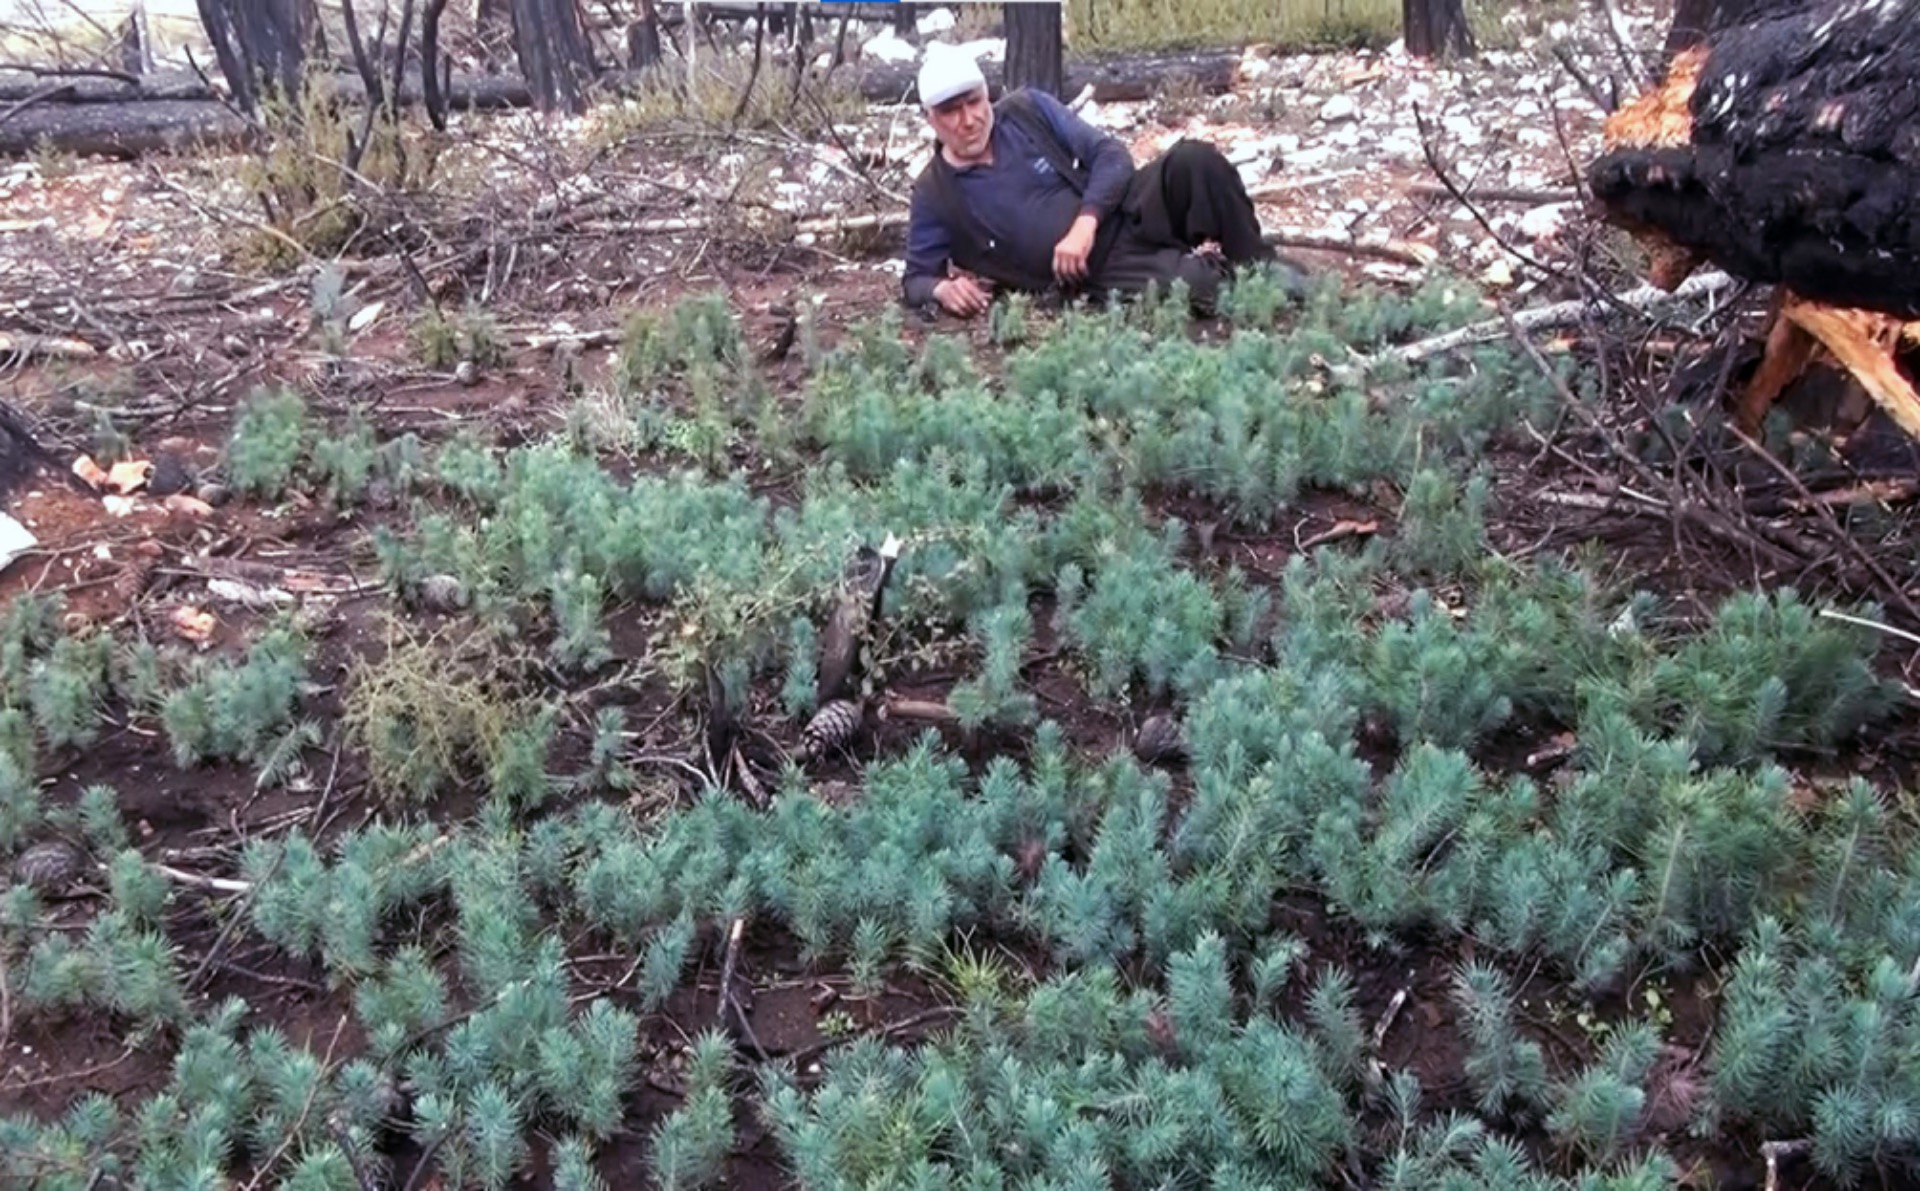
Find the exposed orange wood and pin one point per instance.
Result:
(1863, 343)
(1789, 350)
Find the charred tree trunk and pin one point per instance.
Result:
(904, 19)
(1437, 29)
(435, 68)
(1035, 55)
(643, 38)
(553, 53)
(136, 41)
(260, 45)
(493, 29)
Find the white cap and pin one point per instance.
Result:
(947, 72)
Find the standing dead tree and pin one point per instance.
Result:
(1437, 29)
(260, 45)
(553, 52)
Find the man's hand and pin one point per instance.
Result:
(964, 294)
(1070, 254)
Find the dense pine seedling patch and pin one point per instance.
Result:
(1141, 975)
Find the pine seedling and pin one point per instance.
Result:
(139, 893)
(799, 691)
(605, 768)
(436, 343)
(1200, 994)
(1272, 969)
(493, 1136)
(20, 806)
(1504, 1069)
(268, 438)
(100, 818)
(1336, 1026)
(1442, 523)
(665, 957)
(868, 958)
(581, 641)
(518, 773)
(573, 1168)
(346, 463)
(67, 689)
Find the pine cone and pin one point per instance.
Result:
(49, 866)
(1159, 740)
(833, 726)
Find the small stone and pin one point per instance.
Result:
(214, 494)
(443, 593)
(169, 475)
(466, 373)
(1338, 109)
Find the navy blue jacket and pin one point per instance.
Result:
(1002, 220)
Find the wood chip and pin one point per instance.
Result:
(192, 623)
(189, 506)
(91, 472)
(129, 476)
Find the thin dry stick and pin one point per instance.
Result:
(1864, 623)
(727, 966)
(1832, 523)
(1773, 1151)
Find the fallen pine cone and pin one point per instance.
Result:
(833, 726)
(1159, 739)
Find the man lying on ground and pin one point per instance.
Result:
(1025, 195)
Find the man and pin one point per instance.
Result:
(1025, 195)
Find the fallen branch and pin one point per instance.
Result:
(1540, 197)
(727, 967)
(1560, 314)
(196, 881)
(1404, 252)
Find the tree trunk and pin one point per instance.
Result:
(435, 68)
(1437, 29)
(136, 41)
(260, 45)
(904, 18)
(1035, 55)
(553, 53)
(643, 38)
(493, 29)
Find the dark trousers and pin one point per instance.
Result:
(1191, 195)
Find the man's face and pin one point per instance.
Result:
(964, 123)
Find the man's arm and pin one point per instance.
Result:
(928, 249)
(1109, 164)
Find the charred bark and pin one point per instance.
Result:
(435, 68)
(1802, 163)
(643, 38)
(1035, 53)
(261, 46)
(552, 49)
(1437, 29)
(122, 130)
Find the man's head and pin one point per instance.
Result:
(954, 92)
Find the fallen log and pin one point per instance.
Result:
(121, 130)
